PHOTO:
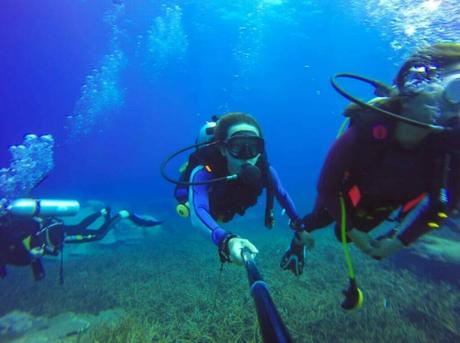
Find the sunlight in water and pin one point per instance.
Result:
(426, 7)
(30, 163)
(271, 2)
(412, 23)
(431, 5)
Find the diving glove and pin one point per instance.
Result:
(231, 247)
(294, 258)
(236, 246)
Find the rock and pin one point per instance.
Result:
(21, 327)
(17, 322)
(58, 328)
(438, 249)
(433, 257)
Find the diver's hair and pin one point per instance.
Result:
(440, 55)
(234, 118)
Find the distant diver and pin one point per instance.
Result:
(225, 176)
(30, 229)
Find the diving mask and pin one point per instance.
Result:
(428, 77)
(452, 89)
(243, 146)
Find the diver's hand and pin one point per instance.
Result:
(306, 239)
(363, 241)
(386, 247)
(294, 258)
(236, 245)
(37, 252)
(299, 227)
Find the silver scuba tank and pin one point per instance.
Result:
(206, 134)
(26, 207)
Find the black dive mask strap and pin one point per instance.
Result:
(269, 219)
(442, 196)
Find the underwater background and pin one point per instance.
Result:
(119, 85)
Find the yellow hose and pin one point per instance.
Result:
(343, 225)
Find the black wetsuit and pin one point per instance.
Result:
(19, 237)
(375, 176)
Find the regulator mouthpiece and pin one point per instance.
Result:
(249, 174)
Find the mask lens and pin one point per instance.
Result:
(452, 91)
(417, 77)
(245, 147)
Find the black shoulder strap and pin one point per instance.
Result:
(204, 156)
(269, 219)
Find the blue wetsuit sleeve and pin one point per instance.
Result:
(200, 201)
(283, 197)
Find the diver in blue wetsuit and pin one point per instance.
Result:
(226, 176)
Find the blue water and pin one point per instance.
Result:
(271, 60)
(138, 80)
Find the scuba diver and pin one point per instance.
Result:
(400, 150)
(225, 176)
(30, 229)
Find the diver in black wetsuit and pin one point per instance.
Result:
(400, 153)
(400, 149)
(25, 240)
